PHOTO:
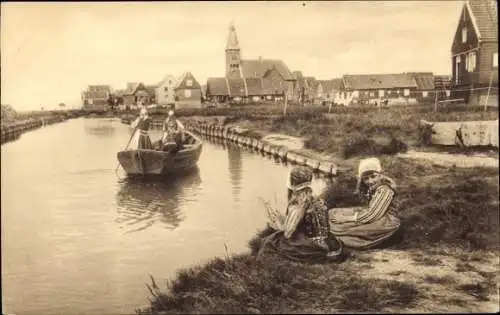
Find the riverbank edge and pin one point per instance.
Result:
(13, 129)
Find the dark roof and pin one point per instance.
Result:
(131, 88)
(378, 81)
(424, 80)
(95, 94)
(217, 86)
(254, 86)
(183, 82)
(484, 15)
(237, 86)
(329, 85)
(99, 87)
(119, 92)
(257, 68)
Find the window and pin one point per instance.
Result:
(189, 82)
(464, 35)
(457, 69)
(398, 91)
(425, 93)
(381, 93)
(389, 92)
(495, 60)
(187, 93)
(471, 61)
(372, 94)
(355, 94)
(406, 92)
(165, 89)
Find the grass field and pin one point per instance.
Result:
(444, 260)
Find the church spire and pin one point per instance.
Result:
(232, 39)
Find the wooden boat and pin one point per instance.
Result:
(156, 162)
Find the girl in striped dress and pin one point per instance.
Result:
(367, 226)
(303, 234)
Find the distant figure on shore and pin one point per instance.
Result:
(173, 131)
(141, 138)
(304, 233)
(367, 226)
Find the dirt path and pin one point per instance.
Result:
(457, 160)
(448, 282)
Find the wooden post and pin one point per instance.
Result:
(489, 90)
(435, 97)
(286, 104)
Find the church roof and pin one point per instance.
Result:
(258, 67)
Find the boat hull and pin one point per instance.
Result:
(153, 162)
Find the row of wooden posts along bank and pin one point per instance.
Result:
(285, 154)
(12, 131)
(234, 135)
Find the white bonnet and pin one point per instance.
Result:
(369, 164)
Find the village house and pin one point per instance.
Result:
(425, 86)
(165, 91)
(328, 91)
(251, 80)
(474, 54)
(96, 98)
(187, 92)
(138, 92)
(365, 89)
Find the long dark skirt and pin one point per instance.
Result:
(300, 248)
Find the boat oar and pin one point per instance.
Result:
(126, 147)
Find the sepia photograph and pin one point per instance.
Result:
(249, 157)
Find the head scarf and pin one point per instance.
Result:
(299, 178)
(370, 164)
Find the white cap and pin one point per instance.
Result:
(170, 112)
(369, 164)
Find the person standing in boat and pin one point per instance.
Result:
(173, 130)
(141, 138)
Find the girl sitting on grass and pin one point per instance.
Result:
(303, 234)
(367, 226)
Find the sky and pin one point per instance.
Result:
(50, 52)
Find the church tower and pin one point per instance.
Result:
(233, 56)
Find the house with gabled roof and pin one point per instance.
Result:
(187, 92)
(378, 88)
(474, 53)
(329, 90)
(136, 92)
(165, 91)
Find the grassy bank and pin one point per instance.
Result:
(445, 260)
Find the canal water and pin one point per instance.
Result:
(77, 238)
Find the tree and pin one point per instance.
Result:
(62, 105)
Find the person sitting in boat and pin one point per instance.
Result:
(367, 226)
(303, 234)
(141, 138)
(173, 131)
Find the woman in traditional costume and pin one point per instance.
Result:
(173, 130)
(367, 226)
(303, 234)
(141, 138)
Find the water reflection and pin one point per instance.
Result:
(235, 166)
(144, 202)
(99, 127)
